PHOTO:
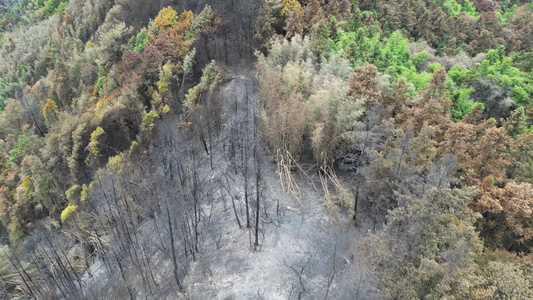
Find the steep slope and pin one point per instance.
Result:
(303, 252)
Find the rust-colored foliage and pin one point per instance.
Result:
(164, 46)
(338, 8)
(480, 148)
(521, 23)
(175, 29)
(521, 164)
(151, 61)
(178, 33)
(132, 60)
(509, 212)
(485, 5)
(295, 23)
(313, 13)
(361, 85)
(395, 101)
(431, 109)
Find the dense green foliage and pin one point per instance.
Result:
(392, 55)
(26, 12)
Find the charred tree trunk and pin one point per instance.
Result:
(257, 180)
(174, 259)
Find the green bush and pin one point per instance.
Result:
(68, 212)
(14, 153)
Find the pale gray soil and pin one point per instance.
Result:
(298, 241)
(304, 253)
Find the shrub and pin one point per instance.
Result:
(72, 192)
(149, 119)
(68, 212)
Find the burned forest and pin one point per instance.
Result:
(266, 149)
